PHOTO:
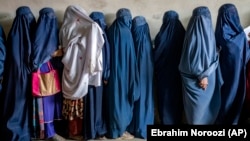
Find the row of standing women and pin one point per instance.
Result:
(212, 68)
(108, 73)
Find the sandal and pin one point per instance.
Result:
(126, 136)
(101, 138)
(77, 137)
(57, 137)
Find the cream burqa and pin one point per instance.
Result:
(82, 41)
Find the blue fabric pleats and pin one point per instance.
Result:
(94, 104)
(143, 108)
(167, 54)
(16, 98)
(234, 55)
(199, 60)
(2, 54)
(46, 37)
(122, 88)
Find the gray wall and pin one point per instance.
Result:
(152, 10)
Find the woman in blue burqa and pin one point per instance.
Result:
(234, 56)
(16, 97)
(47, 109)
(94, 101)
(144, 107)
(167, 54)
(199, 69)
(122, 89)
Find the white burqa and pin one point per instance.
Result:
(82, 41)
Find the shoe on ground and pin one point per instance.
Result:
(126, 136)
(57, 137)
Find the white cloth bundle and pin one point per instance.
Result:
(82, 41)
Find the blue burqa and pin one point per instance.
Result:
(44, 45)
(94, 108)
(234, 56)
(143, 108)
(200, 59)
(2, 54)
(167, 54)
(122, 88)
(2, 60)
(16, 98)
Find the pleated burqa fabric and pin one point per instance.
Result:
(16, 96)
(122, 89)
(94, 104)
(245, 114)
(2, 54)
(234, 56)
(144, 107)
(167, 54)
(2, 67)
(82, 40)
(200, 60)
(45, 109)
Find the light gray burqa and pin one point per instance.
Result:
(200, 60)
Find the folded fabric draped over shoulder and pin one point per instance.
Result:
(82, 48)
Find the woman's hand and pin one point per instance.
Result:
(105, 82)
(203, 83)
